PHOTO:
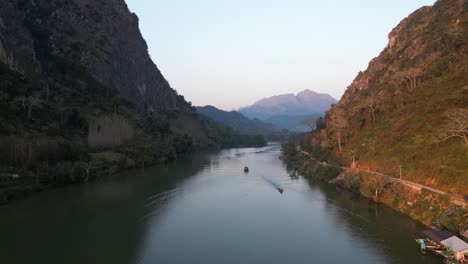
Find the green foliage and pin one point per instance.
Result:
(320, 124)
(44, 128)
(156, 124)
(430, 53)
(455, 220)
(313, 144)
(239, 122)
(296, 160)
(289, 151)
(326, 173)
(226, 137)
(183, 144)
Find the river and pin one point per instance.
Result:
(205, 209)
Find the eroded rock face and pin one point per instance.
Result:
(101, 36)
(16, 43)
(413, 44)
(412, 83)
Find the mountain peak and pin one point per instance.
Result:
(307, 92)
(307, 102)
(309, 96)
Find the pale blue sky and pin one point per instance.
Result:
(232, 53)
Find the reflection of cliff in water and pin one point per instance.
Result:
(114, 208)
(368, 220)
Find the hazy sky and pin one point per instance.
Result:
(231, 53)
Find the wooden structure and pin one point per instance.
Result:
(457, 246)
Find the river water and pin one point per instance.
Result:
(205, 209)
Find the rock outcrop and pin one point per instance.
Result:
(392, 114)
(100, 36)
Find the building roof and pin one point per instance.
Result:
(455, 244)
(436, 235)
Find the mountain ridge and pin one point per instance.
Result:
(102, 38)
(394, 114)
(306, 102)
(238, 121)
(80, 98)
(290, 111)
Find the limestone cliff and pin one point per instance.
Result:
(393, 113)
(80, 97)
(101, 36)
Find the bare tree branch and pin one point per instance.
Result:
(456, 125)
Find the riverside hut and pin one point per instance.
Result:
(457, 246)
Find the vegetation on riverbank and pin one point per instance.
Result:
(408, 111)
(422, 205)
(54, 134)
(80, 97)
(405, 116)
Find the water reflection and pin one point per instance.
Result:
(205, 209)
(101, 222)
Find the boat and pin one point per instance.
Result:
(422, 243)
(280, 190)
(246, 169)
(423, 248)
(437, 251)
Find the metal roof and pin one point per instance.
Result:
(455, 244)
(437, 235)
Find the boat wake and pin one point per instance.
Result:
(154, 203)
(274, 184)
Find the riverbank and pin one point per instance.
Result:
(166, 214)
(429, 208)
(20, 183)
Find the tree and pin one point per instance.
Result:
(456, 125)
(29, 103)
(372, 106)
(338, 121)
(32, 102)
(320, 123)
(409, 78)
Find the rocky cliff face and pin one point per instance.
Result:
(101, 37)
(81, 98)
(393, 113)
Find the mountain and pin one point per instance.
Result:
(289, 111)
(81, 97)
(306, 102)
(408, 111)
(238, 122)
(100, 38)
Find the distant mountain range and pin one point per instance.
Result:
(237, 121)
(293, 112)
(306, 102)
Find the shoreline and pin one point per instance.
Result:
(14, 187)
(424, 206)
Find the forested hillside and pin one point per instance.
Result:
(409, 109)
(81, 97)
(239, 122)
